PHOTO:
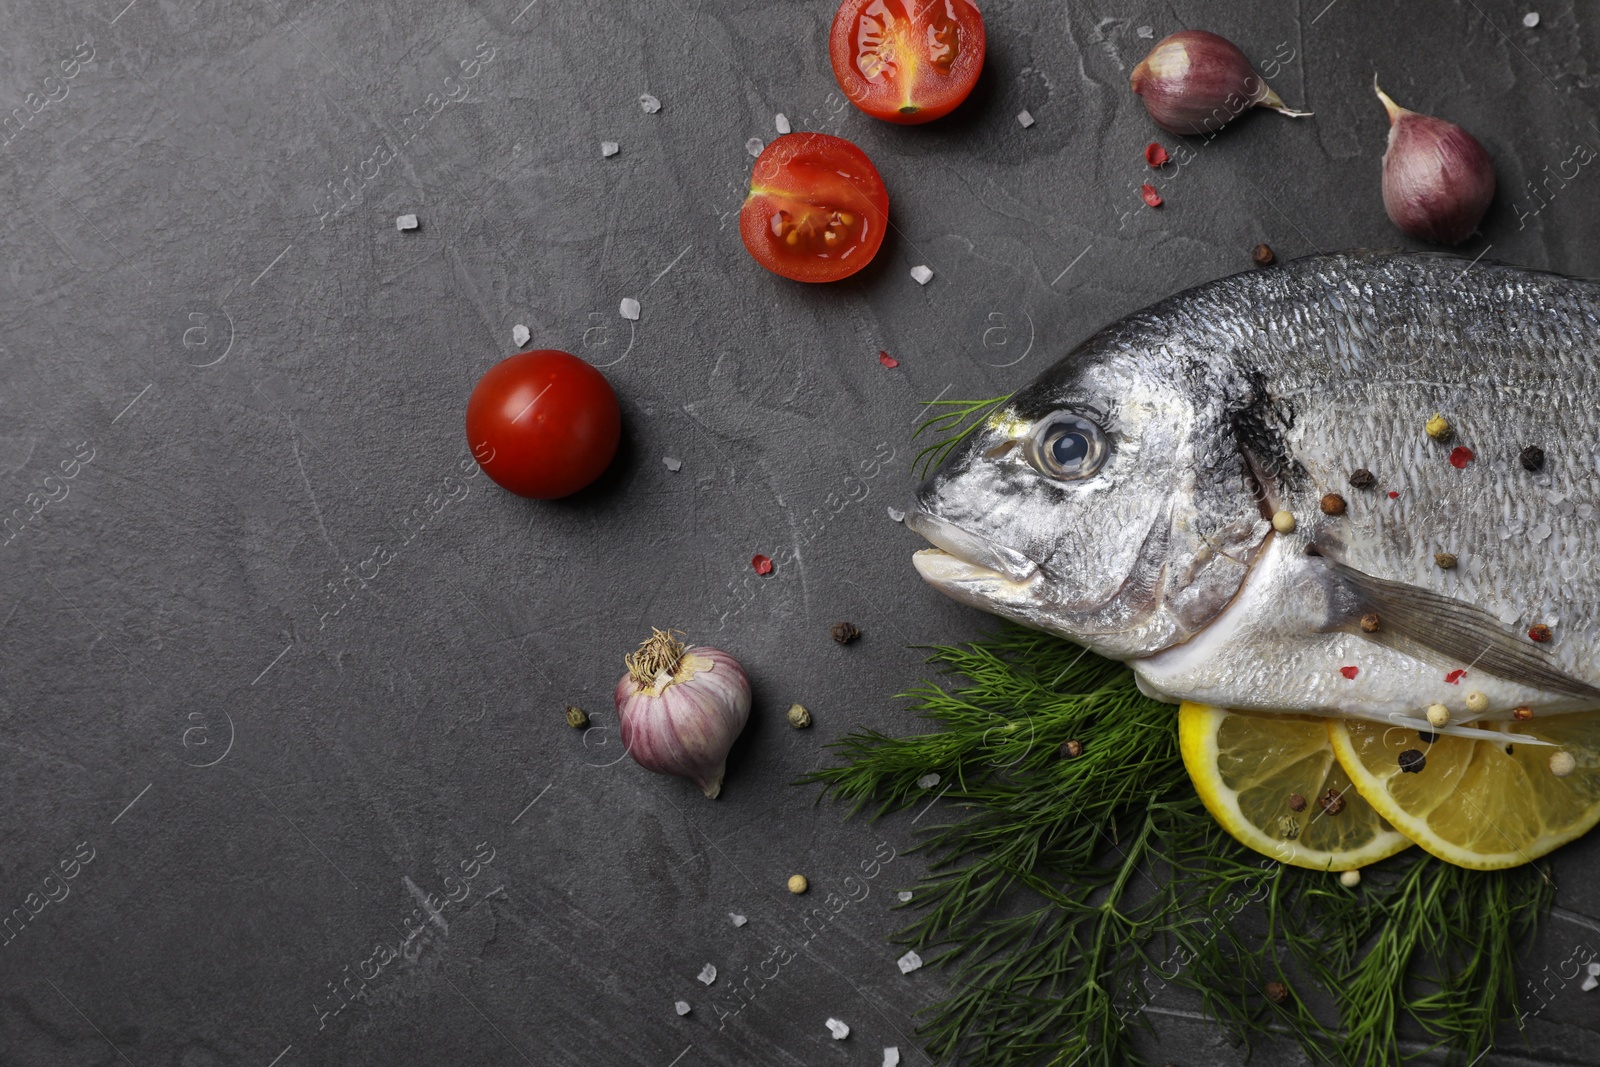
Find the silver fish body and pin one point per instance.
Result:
(1124, 499)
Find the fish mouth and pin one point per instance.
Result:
(960, 555)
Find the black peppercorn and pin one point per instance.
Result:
(844, 632)
(1277, 992)
(1412, 761)
(1297, 802)
(1332, 802)
(1071, 749)
(1263, 255)
(1532, 458)
(1362, 478)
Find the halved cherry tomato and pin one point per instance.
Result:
(907, 60)
(817, 209)
(543, 424)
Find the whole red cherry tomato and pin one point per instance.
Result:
(817, 209)
(543, 424)
(907, 60)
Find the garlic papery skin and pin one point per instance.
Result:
(680, 708)
(1197, 82)
(1437, 179)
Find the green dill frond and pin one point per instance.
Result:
(954, 425)
(1063, 894)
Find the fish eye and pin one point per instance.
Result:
(1067, 447)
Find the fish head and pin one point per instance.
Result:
(1105, 503)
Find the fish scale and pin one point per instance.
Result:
(1264, 391)
(1499, 398)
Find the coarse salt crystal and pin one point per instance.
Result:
(928, 781)
(896, 514)
(674, 464)
(405, 222)
(1531, 19)
(738, 920)
(1585, 511)
(891, 1056)
(909, 962)
(650, 104)
(1594, 969)
(1146, 32)
(754, 146)
(682, 1007)
(1025, 118)
(708, 974)
(1539, 532)
(922, 274)
(838, 1029)
(905, 895)
(781, 122)
(520, 334)
(609, 148)
(1589, 983)
(1555, 496)
(629, 309)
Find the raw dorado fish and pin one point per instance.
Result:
(1124, 500)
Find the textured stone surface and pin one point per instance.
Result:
(276, 613)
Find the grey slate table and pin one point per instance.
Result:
(274, 664)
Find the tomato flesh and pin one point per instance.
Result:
(543, 424)
(907, 61)
(817, 208)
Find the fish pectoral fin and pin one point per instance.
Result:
(1434, 627)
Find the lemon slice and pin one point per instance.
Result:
(1246, 767)
(1473, 803)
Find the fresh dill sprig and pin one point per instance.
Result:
(954, 424)
(1067, 892)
